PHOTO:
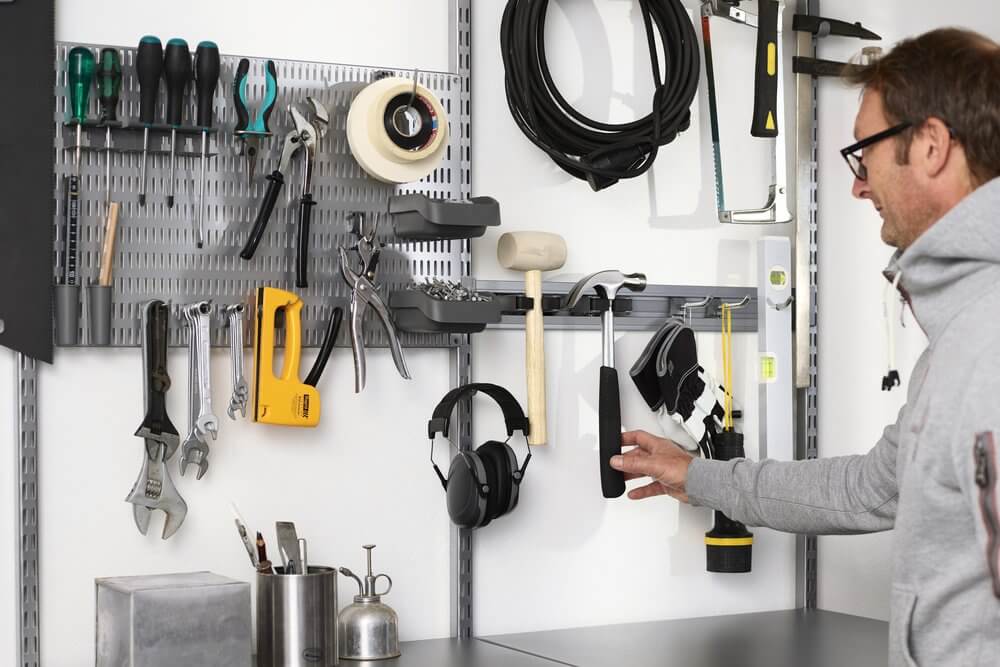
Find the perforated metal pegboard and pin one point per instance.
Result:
(156, 256)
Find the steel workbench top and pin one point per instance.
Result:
(793, 638)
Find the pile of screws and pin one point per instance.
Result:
(446, 290)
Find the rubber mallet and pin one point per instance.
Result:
(533, 252)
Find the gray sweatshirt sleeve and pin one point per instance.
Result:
(841, 495)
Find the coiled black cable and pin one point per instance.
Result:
(600, 153)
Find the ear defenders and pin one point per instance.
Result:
(482, 485)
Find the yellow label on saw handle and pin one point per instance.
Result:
(283, 400)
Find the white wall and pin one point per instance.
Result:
(854, 572)
(566, 557)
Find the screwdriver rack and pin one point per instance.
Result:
(156, 255)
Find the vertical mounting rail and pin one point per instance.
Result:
(461, 538)
(807, 290)
(460, 63)
(26, 481)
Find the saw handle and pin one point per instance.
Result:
(274, 182)
(302, 248)
(765, 90)
(610, 433)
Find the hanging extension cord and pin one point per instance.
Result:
(600, 153)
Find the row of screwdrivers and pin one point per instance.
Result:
(153, 63)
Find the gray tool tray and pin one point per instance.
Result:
(420, 218)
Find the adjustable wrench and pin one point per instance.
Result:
(154, 489)
(241, 391)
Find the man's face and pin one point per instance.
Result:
(890, 186)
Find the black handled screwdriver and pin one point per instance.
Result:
(149, 69)
(177, 72)
(109, 84)
(80, 78)
(206, 76)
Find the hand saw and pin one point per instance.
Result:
(768, 109)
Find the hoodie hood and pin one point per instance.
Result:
(954, 262)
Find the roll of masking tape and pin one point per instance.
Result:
(395, 135)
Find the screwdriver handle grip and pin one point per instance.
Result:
(109, 83)
(206, 76)
(149, 69)
(302, 248)
(81, 68)
(275, 181)
(765, 93)
(177, 72)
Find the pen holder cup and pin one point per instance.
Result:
(67, 314)
(297, 618)
(99, 301)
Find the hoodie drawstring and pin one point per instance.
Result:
(889, 305)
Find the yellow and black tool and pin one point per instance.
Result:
(285, 400)
(729, 545)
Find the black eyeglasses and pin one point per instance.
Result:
(852, 154)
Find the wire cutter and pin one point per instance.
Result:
(364, 293)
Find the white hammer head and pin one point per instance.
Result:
(531, 251)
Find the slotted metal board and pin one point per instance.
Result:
(156, 255)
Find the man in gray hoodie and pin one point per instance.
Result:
(928, 158)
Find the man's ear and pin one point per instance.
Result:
(932, 147)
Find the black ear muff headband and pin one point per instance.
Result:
(513, 417)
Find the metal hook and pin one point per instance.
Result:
(686, 308)
(740, 304)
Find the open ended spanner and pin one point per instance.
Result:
(241, 390)
(201, 419)
(154, 490)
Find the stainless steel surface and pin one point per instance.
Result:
(455, 653)
(368, 629)
(157, 253)
(297, 619)
(792, 638)
(26, 505)
(196, 618)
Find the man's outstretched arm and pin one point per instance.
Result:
(846, 494)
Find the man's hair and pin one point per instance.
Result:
(949, 74)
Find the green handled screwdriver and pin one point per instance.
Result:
(81, 66)
(177, 72)
(109, 84)
(149, 70)
(206, 76)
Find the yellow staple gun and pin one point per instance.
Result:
(286, 400)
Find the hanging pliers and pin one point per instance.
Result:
(364, 293)
(305, 134)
